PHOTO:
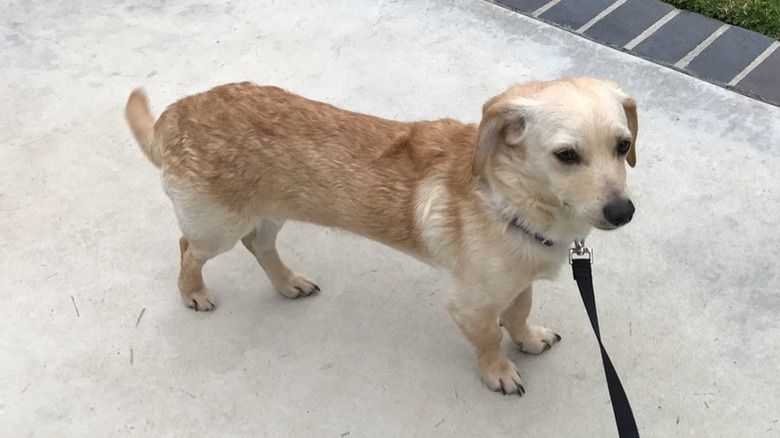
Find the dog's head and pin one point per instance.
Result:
(560, 147)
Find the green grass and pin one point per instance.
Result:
(762, 16)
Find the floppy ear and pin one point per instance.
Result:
(503, 123)
(629, 106)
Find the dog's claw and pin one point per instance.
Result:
(558, 337)
(502, 389)
(308, 291)
(204, 307)
(547, 345)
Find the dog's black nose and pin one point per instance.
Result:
(619, 212)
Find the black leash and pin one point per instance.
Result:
(581, 257)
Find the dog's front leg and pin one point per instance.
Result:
(531, 339)
(478, 321)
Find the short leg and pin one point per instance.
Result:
(480, 327)
(529, 338)
(193, 292)
(261, 242)
(207, 230)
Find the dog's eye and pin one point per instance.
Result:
(568, 156)
(623, 146)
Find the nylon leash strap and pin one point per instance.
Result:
(580, 258)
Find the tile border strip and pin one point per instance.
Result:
(766, 91)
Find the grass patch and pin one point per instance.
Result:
(762, 16)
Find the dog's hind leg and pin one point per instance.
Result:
(261, 242)
(195, 252)
(191, 287)
(207, 231)
(531, 339)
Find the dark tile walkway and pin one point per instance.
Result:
(574, 13)
(764, 78)
(729, 56)
(627, 21)
(677, 38)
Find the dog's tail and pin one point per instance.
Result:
(141, 121)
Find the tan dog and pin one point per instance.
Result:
(496, 204)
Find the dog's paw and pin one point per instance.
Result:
(536, 339)
(502, 376)
(199, 301)
(297, 286)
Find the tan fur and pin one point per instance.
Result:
(240, 159)
(141, 122)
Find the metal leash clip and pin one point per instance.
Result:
(580, 251)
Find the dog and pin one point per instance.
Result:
(496, 204)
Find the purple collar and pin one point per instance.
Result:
(541, 238)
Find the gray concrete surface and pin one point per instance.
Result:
(688, 293)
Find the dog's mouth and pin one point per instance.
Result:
(605, 225)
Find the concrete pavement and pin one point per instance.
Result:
(95, 342)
